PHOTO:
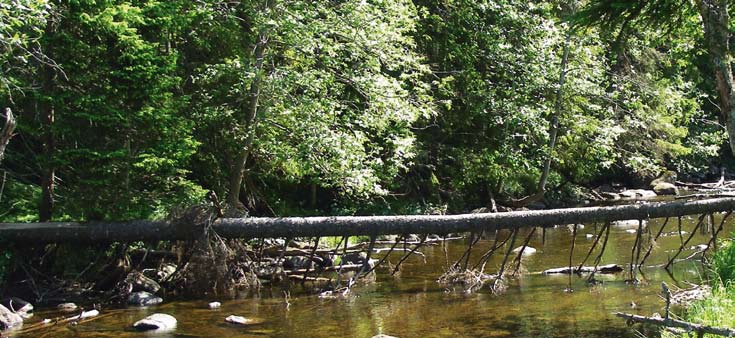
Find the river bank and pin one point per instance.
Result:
(406, 305)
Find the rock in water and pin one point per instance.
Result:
(526, 252)
(9, 319)
(88, 314)
(240, 320)
(628, 224)
(142, 298)
(215, 305)
(18, 306)
(157, 322)
(67, 307)
(664, 188)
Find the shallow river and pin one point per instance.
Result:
(414, 305)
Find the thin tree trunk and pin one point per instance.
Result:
(554, 127)
(715, 23)
(46, 207)
(7, 132)
(249, 122)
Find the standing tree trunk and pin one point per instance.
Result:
(46, 207)
(715, 22)
(249, 122)
(554, 127)
(7, 132)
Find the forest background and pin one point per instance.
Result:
(129, 109)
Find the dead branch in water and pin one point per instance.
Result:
(519, 258)
(683, 245)
(713, 241)
(592, 248)
(607, 226)
(653, 243)
(405, 257)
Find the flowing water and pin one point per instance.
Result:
(413, 304)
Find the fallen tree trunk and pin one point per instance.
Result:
(290, 227)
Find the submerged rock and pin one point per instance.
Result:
(240, 320)
(9, 318)
(637, 193)
(157, 322)
(143, 298)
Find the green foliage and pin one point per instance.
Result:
(365, 107)
(718, 309)
(21, 25)
(715, 310)
(17, 200)
(337, 107)
(723, 263)
(121, 137)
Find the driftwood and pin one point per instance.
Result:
(670, 322)
(604, 269)
(290, 227)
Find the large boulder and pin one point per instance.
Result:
(156, 322)
(140, 282)
(664, 188)
(9, 318)
(667, 177)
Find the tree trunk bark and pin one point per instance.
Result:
(353, 226)
(7, 132)
(46, 207)
(715, 23)
(554, 127)
(249, 122)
